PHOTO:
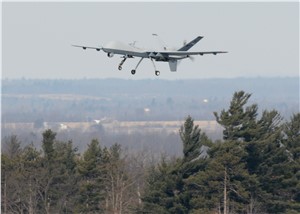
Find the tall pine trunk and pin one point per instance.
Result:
(225, 191)
(5, 194)
(30, 197)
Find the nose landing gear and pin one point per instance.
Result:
(157, 73)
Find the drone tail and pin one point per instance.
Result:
(190, 44)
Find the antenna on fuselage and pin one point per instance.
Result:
(162, 44)
(133, 43)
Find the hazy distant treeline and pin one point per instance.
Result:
(272, 87)
(136, 100)
(254, 169)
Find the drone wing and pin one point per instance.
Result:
(87, 47)
(188, 53)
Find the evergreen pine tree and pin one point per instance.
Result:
(48, 145)
(239, 122)
(282, 170)
(224, 185)
(161, 194)
(268, 157)
(91, 188)
(166, 191)
(32, 177)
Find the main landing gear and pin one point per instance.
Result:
(133, 71)
(157, 73)
(121, 63)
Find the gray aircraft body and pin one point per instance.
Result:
(164, 55)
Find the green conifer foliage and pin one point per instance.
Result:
(224, 185)
(48, 144)
(238, 121)
(91, 191)
(166, 191)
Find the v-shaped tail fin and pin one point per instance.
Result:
(190, 44)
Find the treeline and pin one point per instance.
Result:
(84, 100)
(254, 169)
(59, 180)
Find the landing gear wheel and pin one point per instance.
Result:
(120, 67)
(133, 72)
(157, 73)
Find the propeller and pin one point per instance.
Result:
(165, 47)
(190, 57)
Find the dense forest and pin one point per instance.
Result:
(255, 168)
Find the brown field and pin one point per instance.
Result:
(117, 126)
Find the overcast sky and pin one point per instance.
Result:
(262, 38)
